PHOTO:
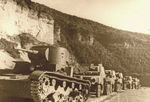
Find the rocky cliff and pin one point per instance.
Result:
(21, 26)
(16, 17)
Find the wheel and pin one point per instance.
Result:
(124, 86)
(85, 93)
(117, 87)
(102, 89)
(107, 89)
(98, 91)
(111, 89)
(130, 86)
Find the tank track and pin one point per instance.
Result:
(54, 87)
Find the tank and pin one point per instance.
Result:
(47, 78)
(95, 75)
(119, 82)
(109, 82)
(127, 80)
(135, 83)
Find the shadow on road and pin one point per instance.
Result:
(14, 99)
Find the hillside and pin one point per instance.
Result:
(92, 42)
(117, 49)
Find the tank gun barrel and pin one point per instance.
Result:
(28, 51)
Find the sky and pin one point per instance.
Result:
(131, 15)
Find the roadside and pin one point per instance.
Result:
(133, 95)
(103, 98)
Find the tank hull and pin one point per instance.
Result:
(43, 86)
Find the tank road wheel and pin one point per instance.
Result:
(81, 94)
(102, 89)
(41, 91)
(118, 87)
(85, 93)
(107, 89)
(78, 94)
(80, 87)
(98, 90)
(124, 86)
(73, 86)
(73, 93)
(62, 93)
(130, 86)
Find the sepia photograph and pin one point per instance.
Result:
(74, 51)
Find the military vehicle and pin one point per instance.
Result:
(95, 75)
(118, 82)
(47, 78)
(138, 83)
(109, 83)
(135, 83)
(127, 82)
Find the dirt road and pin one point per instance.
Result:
(134, 95)
(140, 95)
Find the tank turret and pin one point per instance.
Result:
(48, 58)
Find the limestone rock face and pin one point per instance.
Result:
(15, 19)
(6, 61)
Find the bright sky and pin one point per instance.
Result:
(132, 15)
